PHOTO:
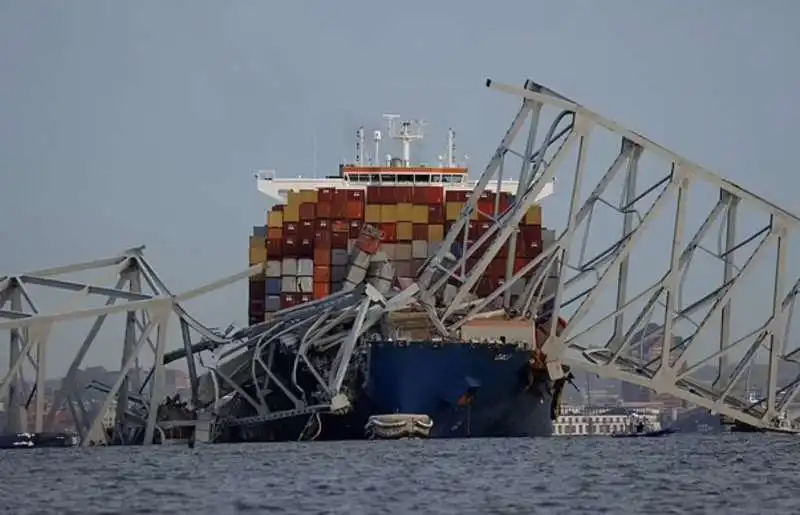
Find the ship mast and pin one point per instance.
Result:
(405, 131)
(360, 147)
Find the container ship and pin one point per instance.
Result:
(412, 382)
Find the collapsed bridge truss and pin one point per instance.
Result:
(656, 267)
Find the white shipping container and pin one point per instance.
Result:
(274, 269)
(305, 284)
(289, 284)
(389, 249)
(402, 251)
(419, 249)
(433, 248)
(305, 267)
(289, 267)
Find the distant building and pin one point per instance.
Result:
(581, 421)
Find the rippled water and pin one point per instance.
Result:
(686, 474)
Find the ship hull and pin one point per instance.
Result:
(467, 390)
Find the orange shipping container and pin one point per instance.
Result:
(322, 239)
(275, 247)
(339, 240)
(355, 209)
(340, 226)
(275, 232)
(355, 195)
(322, 273)
(405, 231)
(321, 290)
(322, 256)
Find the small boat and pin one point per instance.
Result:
(645, 434)
(639, 426)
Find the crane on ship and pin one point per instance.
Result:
(714, 345)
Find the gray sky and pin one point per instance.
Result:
(125, 123)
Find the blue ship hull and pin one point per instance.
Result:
(468, 390)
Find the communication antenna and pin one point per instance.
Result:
(360, 146)
(405, 131)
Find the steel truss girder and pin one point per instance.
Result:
(146, 313)
(583, 274)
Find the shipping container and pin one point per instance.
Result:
(305, 285)
(534, 215)
(290, 228)
(324, 210)
(275, 219)
(274, 286)
(338, 273)
(325, 195)
(322, 256)
(405, 231)
(339, 257)
(322, 273)
(339, 240)
(260, 231)
(291, 213)
(275, 233)
(389, 232)
(289, 266)
(289, 300)
(419, 232)
(435, 233)
(355, 210)
(305, 267)
(404, 212)
(372, 214)
(322, 290)
(288, 284)
(308, 196)
(389, 213)
(403, 251)
(273, 303)
(459, 196)
(275, 247)
(355, 228)
(403, 194)
(273, 268)
(308, 211)
(419, 249)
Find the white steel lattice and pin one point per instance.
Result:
(681, 283)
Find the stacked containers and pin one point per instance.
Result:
(310, 239)
(411, 219)
(528, 238)
(308, 244)
(257, 283)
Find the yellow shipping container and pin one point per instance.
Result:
(405, 231)
(452, 210)
(308, 196)
(258, 255)
(405, 212)
(420, 215)
(291, 213)
(293, 198)
(372, 214)
(435, 233)
(389, 214)
(275, 219)
(258, 242)
(534, 215)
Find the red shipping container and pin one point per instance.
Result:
(436, 214)
(355, 210)
(325, 195)
(435, 195)
(289, 247)
(339, 197)
(305, 247)
(339, 209)
(304, 298)
(368, 244)
(419, 195)
(519, 264)
(340, 226)
(339, 240)
(289, 300)
(486, 208)
(456, 195)
(278, 207)
(257, 289)
(375, 194)
(324, 210)
(322, 224)
(404, 194)
(274, 247)
(487, 195)
(355, 229)
(275, 232)
(321, 290)
(322, 239)
(306, 230)
(290, 229)
(389, 232)
(308, 211)
(419, 232)
(322, 256)
(322, 273)
(355, 195)
(531, 234)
